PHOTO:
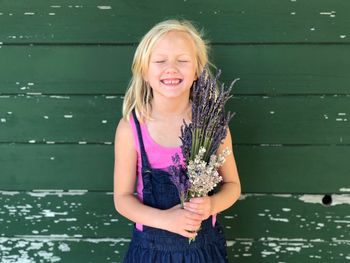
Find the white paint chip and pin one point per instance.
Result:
(64, 247)
(59, 97)
(34, 93)
(104, 7)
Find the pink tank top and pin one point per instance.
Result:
(159, 157)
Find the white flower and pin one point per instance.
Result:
(204, 177)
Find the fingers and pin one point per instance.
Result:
(188, 234)
(192, 228)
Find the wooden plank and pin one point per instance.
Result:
(91, 250)
(58, 119)
(56, 166)
(81, 213)
(125, 22)
(291, 119)
(262, 69)
(259, 119)
(293, 169)
(295, 217)
(78, 225)
(269, 169)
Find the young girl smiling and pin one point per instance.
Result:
(167, 61)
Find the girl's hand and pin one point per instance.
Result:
(181, 221)
(200, 205)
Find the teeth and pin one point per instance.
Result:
(171, 82)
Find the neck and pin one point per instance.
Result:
(170, 108)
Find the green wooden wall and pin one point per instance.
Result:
(64, 67)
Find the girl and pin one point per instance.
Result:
(166, 63)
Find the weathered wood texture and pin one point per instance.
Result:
(123, 22)
(70, 225)
(262, 68)
(64, 69)
(263, 169)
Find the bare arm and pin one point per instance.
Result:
(175, 219)
(231, 187)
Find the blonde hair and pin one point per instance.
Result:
(139, 94)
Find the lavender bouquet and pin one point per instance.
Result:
(201, 139)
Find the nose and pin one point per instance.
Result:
(171, 68)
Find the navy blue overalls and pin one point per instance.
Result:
(153, 245)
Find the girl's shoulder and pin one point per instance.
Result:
(123, 131)
(126, 133)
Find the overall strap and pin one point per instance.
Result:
(145, 163)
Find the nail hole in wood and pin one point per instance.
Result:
(327, 200)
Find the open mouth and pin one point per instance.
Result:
(171, 82)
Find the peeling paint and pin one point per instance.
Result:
(11, 193)
(285, 220)
(104, 7)
(317, 199)
(59, 97)
(34, 93)
(328, 13)
(60, 193)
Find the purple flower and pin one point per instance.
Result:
(178, 176)
(209, 121)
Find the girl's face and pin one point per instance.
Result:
(172, 66)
